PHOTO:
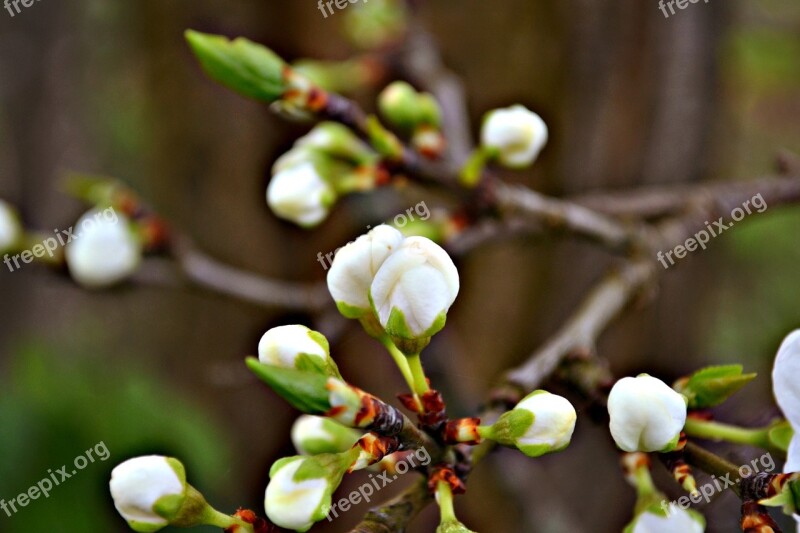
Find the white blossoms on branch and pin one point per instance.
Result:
(301, 194)
(297, 347)
(148, 491)
(412, 292)
(786, 385)
(105, 251)
(10, 227)
(515, 135)
(646, 414)
(541, 423)
(355, 266)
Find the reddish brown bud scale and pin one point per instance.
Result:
(260, 525)
(462, 430)
(755, 519)
(434, 412)
(446, 474)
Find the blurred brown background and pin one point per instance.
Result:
(631, 98)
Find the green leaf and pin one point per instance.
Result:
(713, 385)
(306, 391)
(248, 68)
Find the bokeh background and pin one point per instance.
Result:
(631, 98)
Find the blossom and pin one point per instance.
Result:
(300, 489)
(295, 346)
(646, 414)
(148, 491)
(105, 251)
(299, 193)
(541, 423)
(413, 290)
(355, 266)
(312, 435)
(786, 387)
(516, 134)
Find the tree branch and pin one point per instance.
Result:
(395, 514)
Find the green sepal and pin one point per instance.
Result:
(672, 444)
(404, 339)
(513, 425)
(145, 527)
(341, 439)
(453, 527)
(248, 68)
(351, 311)
(713, 385)
(780, 435)
(304, 390)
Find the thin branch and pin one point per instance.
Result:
(211, 274)
(395, 514)
(581, 331)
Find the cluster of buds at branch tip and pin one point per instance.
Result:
(646, 414)
(328, 162)
(11, 233)
(541, 423)
(430, 408)
(415, 114)
(151, 493)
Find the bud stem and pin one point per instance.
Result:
(212, 517)
(444, 497)
(402, 363)
(717, 431)
(418, 374)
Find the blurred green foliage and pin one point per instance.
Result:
(58, 402)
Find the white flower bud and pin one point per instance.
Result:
(312, 435)
(541, 423)
(105, 251)
(787, 392)
(355, 266)
(296, 500)
(646, 414)
(413, 290)
(300, 194)
(677, 521)
(148, 491)
(516, 134)
(10, 228)
(296, 347)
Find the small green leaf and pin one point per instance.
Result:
(248, 68)
(306, 391)
(713, 385)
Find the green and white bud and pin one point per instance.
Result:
(354, 268)
(514, 135)
(11, 233)
(297, 347)
(300, 193)
(336, 140)
(313, 435)
(646, 414)
(300, 488)
(105, 251)
(541, 423)
(412, 292)
(407, 109)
